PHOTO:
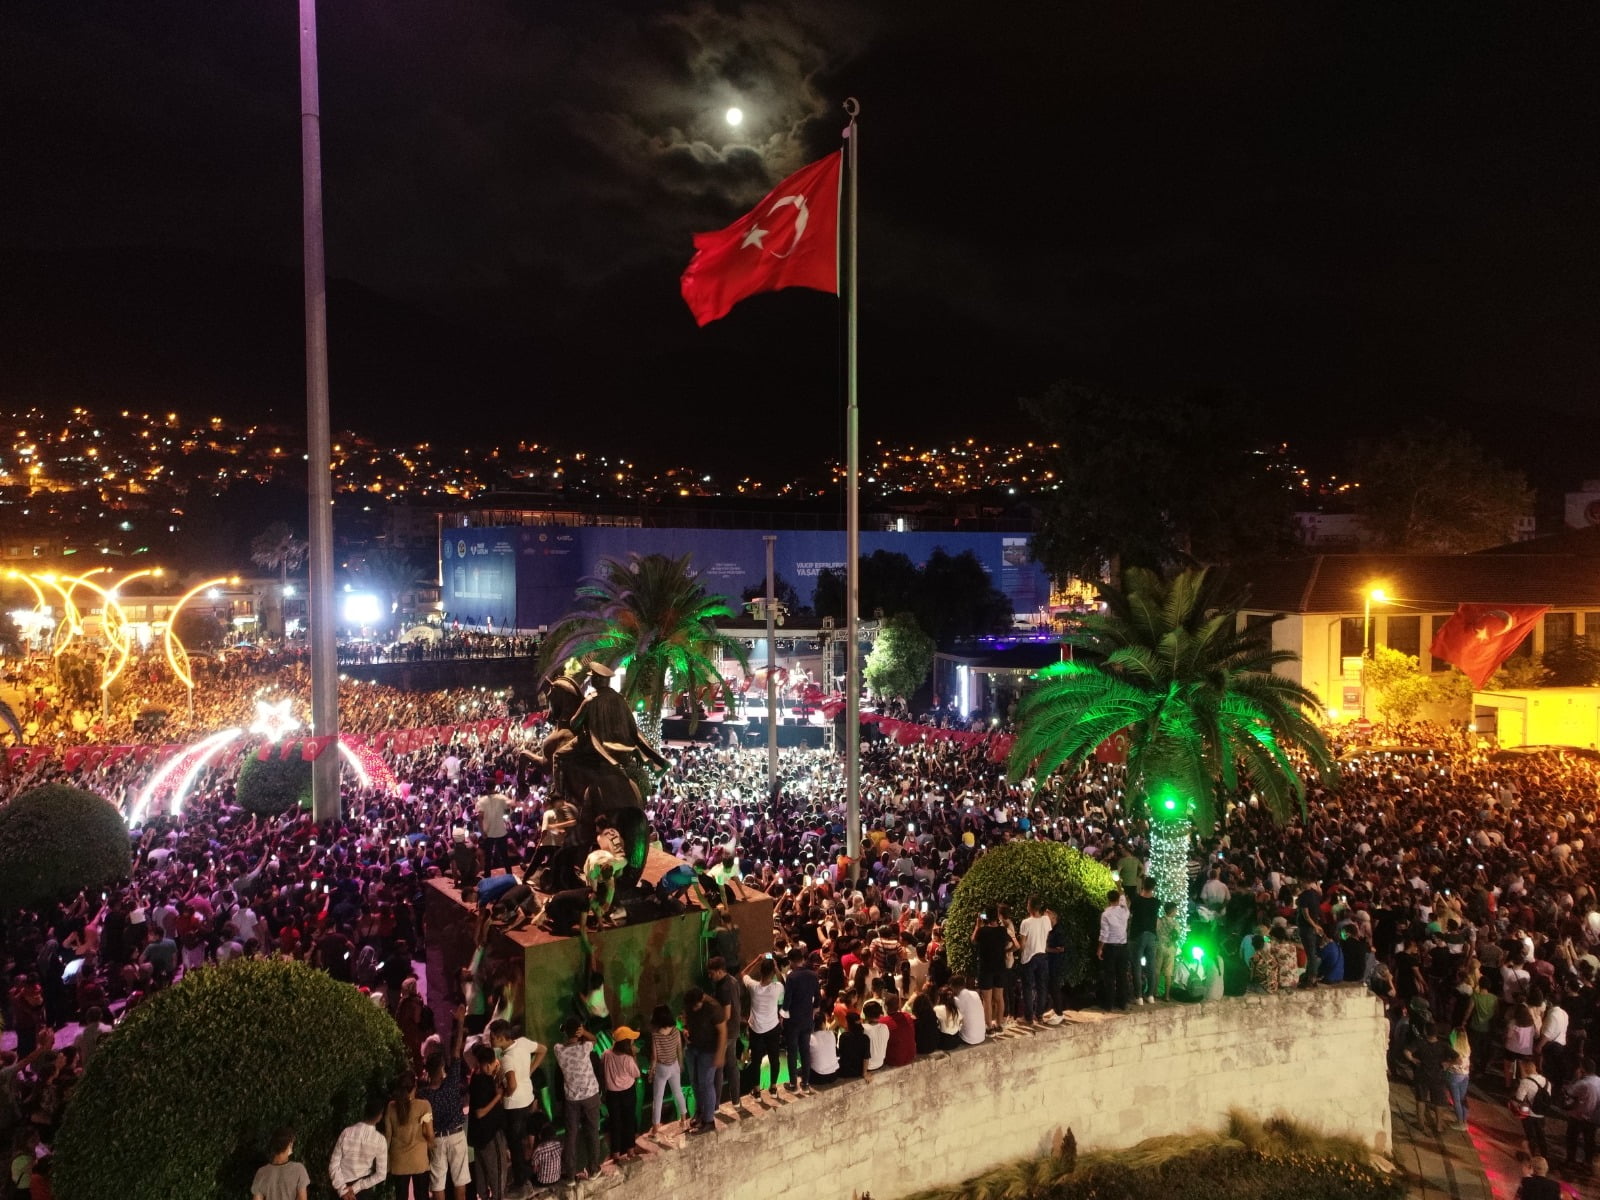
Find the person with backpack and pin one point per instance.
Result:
(1531, 1102)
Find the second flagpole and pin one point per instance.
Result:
(852, 611)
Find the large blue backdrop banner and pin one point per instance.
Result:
(526, 575)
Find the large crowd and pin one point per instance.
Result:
(1454, 882)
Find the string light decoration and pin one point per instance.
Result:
(274, 720)
(1169, 865)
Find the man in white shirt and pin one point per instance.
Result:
(361, 1155)
(1113, 953)
(492, 821)
(970, 1005)
(1552, 1043)
(519, 1059)
(1034, 933)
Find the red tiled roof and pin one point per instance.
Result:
(1335, 583)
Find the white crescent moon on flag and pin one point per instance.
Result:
(1502, 613)
(802, 215)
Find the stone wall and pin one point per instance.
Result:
(1316, 1055)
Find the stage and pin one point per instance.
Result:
(645, 964)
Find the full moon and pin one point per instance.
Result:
(735, 117)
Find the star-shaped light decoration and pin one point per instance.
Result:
(273, 720)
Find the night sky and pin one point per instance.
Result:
(1357, 215)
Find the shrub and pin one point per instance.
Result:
(1249, 1160)
(274, 786)
(56, 840)
(180, 1103)
(1072, 884)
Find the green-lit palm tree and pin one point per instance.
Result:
(1167, 663)
(650, 616)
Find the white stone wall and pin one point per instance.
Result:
(1316, 1055)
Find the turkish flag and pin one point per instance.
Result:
(790, 239)
(1114, 750)
(1482, 636)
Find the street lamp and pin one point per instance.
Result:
(1367, 598)
(177, 653)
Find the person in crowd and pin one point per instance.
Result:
(1532, 1101)
(1113, 952)
(667, 1052)
(1581, 1106)
(486, 1123)
(360, 1159)
(445, 1092)
(802, 991)
(408, 1128)
(855, 1048)
(764, 997)
(581, 1089)
(707, 1024)
(281, 1178)
(620, 1070)
(824, 1051)
(520, 1059)
(1536, 1183)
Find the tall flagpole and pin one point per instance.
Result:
(852, 633)
(319, 451)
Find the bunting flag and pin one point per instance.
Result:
(311, 748)
(1480, 637)
(790, 239)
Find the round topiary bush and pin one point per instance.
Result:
(57, 840)
(273, 786)
(180, 1103)
(1069, 882)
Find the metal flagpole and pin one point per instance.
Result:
(852, 632)
(772, 671)
(319, 450)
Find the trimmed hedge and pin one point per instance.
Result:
(275, 786)
(57, 840)
(1069, 882)
(179, 1103)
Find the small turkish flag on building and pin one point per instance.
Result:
(1480, 637)
(790, 239)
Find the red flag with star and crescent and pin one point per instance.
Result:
(790, 239)
(1480, 637)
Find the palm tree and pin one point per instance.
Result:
(651, 616)
(1167, 663)
(276, 548)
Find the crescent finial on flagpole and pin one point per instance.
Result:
(852, 106)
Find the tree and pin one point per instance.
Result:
(1168, 663)
(1398, 679)
(1520, 671)
(957, 600)
(651, 616)
(198, 629)
(388, 573)
(56, 841)
(1403, 687)
(210, 1067)
(1071, 884)
(951, 594)
(276, 548)
(1574, 662)
(1157, 481)
(782, 591)
(901, 658)
(275, 785)
(1433, 491)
